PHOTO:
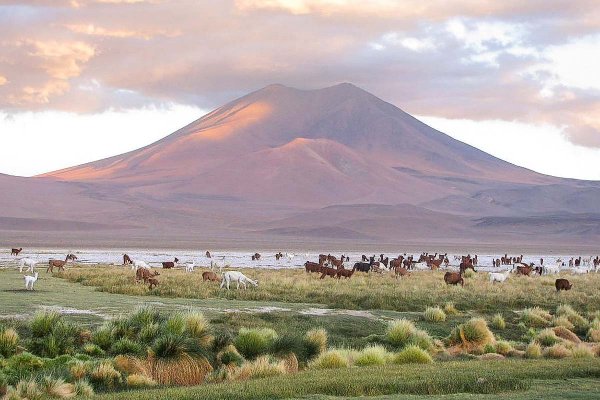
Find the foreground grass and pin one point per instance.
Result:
(366, 292)
(437, 379)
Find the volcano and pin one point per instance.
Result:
(263, 165)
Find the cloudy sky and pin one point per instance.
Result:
(86, 79)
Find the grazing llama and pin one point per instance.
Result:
(27, 262)
(137, 264)
(189, 267)
(237, 277)
(30, 281)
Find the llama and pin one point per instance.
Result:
(189, 267)
(498, 276)
(15, 252)
(27, 262)
(30, 281)
(238, 278)
(137, 264)
(60, 264)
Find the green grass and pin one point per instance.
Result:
(431, 379)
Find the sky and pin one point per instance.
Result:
(86, 79)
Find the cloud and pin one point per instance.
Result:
(532, 62)
(3, 80)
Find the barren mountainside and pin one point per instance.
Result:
(267, 163)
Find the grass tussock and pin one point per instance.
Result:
(536, 317)
(547, 338)
(473, 334)
(136, 381)
(372, 355)
(533, 350)
(566, 334)
(557, 351)
(434, 314)
(498, 322)
(9, 342)
(330, 359)
(252, 343)
(412, 355)
(401, 333)
(262, 367)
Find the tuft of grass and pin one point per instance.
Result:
(78, 370)
(498, 322)
(582, 351)
(564, 322)
(105, 376)
(402, 332)
(580, 323)
(547, 338)
(254, 342)
(469, 274)
(137, 381)
(536, 317)
(9, 342)
(557, 351)
(183, 369)
(412, 355)
(317, 338)
(473, 333)
(372, 355)
(434, 314)
(84, 389)
(503, 347)
(57, 388)
(533, 350)
(330, 359)
(450, 309)
(25, 389)
(229, 356)
(566, 334)
(125, 346)
(197, 326)
(262, 367)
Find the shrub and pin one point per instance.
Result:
(125, 346)
(144, 316)
(536, 317)
(412, 355)
(533, 350)
(474, 332)
(57, 388)
(372, 355)
(489, 348)
(105, 375)
(291, 363)
(254, 342)
(582, 351)
(262, 367)
(230, 356)
(25, 363)
(557, 351)
(503, 347)
(84, 389)
(140, 381)
(434, 314)
(450, 309)
(547, 338)
(498, 322)
(330, 359)
(9, 342)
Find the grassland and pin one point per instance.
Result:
(363, 291)
(355, 313)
